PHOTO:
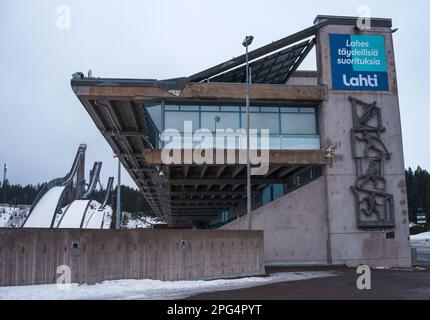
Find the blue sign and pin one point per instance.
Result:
(358, 62)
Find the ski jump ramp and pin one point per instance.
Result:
(85, 214)
(73, 216)
(44, 211)
(50, 198)
(49, 210)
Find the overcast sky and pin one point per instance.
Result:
(42, 122)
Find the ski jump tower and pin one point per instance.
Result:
(62, 192)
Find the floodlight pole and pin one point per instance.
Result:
(118, 198)
(246, 43)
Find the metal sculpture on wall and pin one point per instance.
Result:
(374, 207)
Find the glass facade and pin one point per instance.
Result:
(294, 181)
(155, 113)
(290, 127)
(176, 119)
(302, 178)
(273, 192)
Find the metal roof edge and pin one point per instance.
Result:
(352, 21)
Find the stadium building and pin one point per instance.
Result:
(333, 190)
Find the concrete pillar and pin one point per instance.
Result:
(80, 179)
(349, 242)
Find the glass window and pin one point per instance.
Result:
(155, 114)
(175, 120)
(210, 108)
(262, 121)
(230, 109)
(171, 108)
(190, 108)
(255, 199)
(269, 109)
(225, 120)
(300, 142)
(251, 109)
(267, 195)
(290, 109)
(278, 191)
(298, 124)
(307, 110)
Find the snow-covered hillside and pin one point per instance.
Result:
(12, 216)
(142, 222)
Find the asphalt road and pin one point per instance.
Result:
(386, 285)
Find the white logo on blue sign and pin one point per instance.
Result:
(358, 62)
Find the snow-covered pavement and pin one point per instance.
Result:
(148, 289)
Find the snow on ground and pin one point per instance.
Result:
(420, 240)
(142, 223)
(13, 216)
(148, 289)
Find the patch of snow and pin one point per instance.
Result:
(148, 289)
(13, 216)
(143, 223)
(422, 239)
(421, 236)
(382, 268)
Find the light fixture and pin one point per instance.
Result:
(247, 41)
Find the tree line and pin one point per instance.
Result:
(17, 194)
(132, 200)
(418, 189)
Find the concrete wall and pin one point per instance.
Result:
(302, 81)
(31, 256)
(295, 227)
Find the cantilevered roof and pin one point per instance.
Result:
(275, 68)
(259, 53)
